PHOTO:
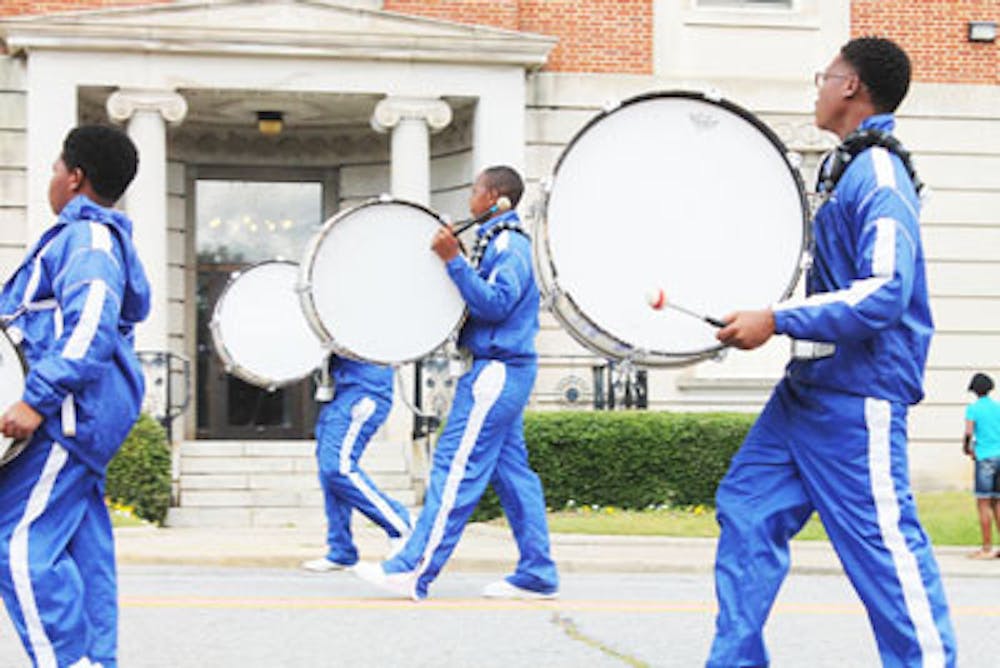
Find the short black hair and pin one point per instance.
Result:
(105, 155)
(981, 384)
(506, 181)
(883, 67)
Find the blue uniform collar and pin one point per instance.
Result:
(82, 207)
(880, 122)
(505, 216)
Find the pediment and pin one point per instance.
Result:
(282, 27)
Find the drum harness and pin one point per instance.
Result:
(839, 159)
(854, 144)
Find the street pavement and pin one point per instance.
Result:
(482, 548)
(236, 598)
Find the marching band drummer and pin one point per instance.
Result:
(483, 440)
(361, 404)
(832, 438)
(75, 298)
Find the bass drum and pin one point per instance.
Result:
(373, 288)
(13, 373)
(674, 191)
(259, 330)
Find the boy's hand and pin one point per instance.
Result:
(747, 329)
(20, 421)
(445, 244)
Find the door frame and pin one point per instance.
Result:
(329, 178)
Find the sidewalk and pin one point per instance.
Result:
(481, 548)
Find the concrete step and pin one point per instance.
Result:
(271, 483)
(269, 516)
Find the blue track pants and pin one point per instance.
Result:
(845, 457)
(482, 444)
(57, 558)
(343, 430)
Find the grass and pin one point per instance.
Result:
(124, 516)
(948, 517)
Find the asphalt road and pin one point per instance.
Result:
(179, 617)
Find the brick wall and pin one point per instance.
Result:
(10, 7)
(594, 36)
(617, 35)
(934, 33)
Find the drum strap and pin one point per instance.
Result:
(853, 145)
(484, 241)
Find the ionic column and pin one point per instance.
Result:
(147, 112)
(411, 120)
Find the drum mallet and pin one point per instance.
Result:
(657, 299)
(502, 204)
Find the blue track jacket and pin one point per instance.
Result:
(867, 289)
(77, 296)
(502, 297)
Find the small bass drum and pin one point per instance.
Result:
(259, 330)
(675, 191)
(373, 288)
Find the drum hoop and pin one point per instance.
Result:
(228, 361)
(15, 447)
(555, 291)
(306, 280)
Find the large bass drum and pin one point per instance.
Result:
(259, 330)
(13, 373)
(674, 191)
(372, 287)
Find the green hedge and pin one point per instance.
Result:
(139, 475)
(628, 459)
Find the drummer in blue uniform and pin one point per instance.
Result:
(361, 403)
(832, 438)
(483, 440)
(76, 298)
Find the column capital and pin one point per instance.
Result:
(395, 108)
(123, 103)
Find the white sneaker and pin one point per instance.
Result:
(504, 589)
(323, 565)
(402, 585)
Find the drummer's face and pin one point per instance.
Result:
(834, 88)
(482, 198)
(63, 186)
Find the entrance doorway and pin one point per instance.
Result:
(243, 217)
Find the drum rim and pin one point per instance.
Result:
(554, 292)
(306, 281)
(15, 446)
(229, 363)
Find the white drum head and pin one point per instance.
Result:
(375, 289)
(670, 191)
(259, 329)
(12, 377)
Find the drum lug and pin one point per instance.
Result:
(548, 300)
(610, 105)
(16, 335)
(713, 94)
(794, 159)
(385, 197)
(806, 262)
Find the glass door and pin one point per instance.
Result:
(238, 223)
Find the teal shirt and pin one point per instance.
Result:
(985, 413)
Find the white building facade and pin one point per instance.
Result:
(376, 102)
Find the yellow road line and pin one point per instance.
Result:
(485, 605)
